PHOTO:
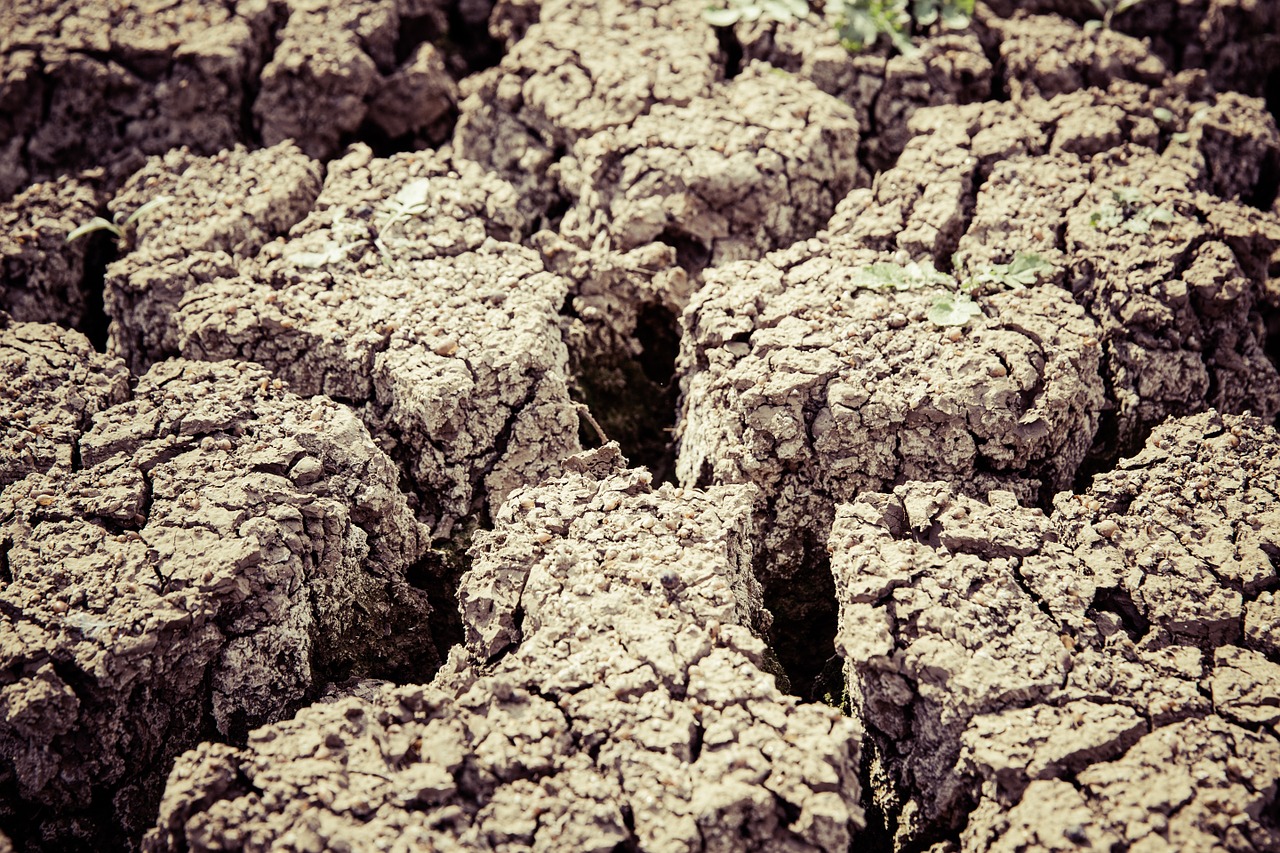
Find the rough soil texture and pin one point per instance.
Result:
(41, 275)
(186, 241)
(755, 165)
(54, 383)
(1078, 678)
(386, 267)
(400, 286)
(627, 705)
(215, 551)
(816, 390)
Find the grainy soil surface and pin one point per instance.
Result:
(570, 425)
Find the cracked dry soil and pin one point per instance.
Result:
(489, 441)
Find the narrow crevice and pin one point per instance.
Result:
(1118, 602)
(730, 50)
(634, 400)
(94, 322)
(253, 80)
(805, 620)
(877, 800)
(438, 574)
(469, 46)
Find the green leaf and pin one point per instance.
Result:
(1162, 215)
(1106, 217)
(413, 194)
(879, 277)
(1163, 115)
(147, 208)
(953, 309)
(956, 19)
(1137, 225)
(329, 253)
(97, 223)
(721, 17)
(857, 29)
(925, 12)
(1128, 196)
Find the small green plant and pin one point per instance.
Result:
(348, 237)
(115, 225)
(1108, 9)
(413, 199)
(954, 304)
(1131, 211)
(861, 23)
(783, 11)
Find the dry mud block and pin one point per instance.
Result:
(627, 706)
(93, 84)
(40, 272)
(1047, 55)
(335, 66)
(53, 384)
(1234, 43)
(1104, 677)
(583, 68)
(884, 91)
(219, 211)
(90, 84)
(1178, 280)
(219, 549)
(401, 290)
(401, 293)
(798, 379)
(754, 165)
(998, 171)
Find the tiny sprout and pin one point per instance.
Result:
(1131, 211)
(862, 22)
(1164, 115)
(1108, 9)
(114, 225)
(954, 305)
(953, 309)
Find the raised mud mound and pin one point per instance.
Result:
(576, 425)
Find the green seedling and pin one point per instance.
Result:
(909, 276)
(1108, 9)
(413, 199)
(861, 23)
(783, 11)
(331, 251)
(952, 309)
(954, 304)
(1131, 211)
(1022, 271)
(115, 225)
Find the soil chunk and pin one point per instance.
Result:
(402, 295)
(1024, 670)
(41, 274)
(625, 703)
(54, 383)
(755, 165)
(220, 549)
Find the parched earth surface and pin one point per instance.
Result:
(570, 425)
